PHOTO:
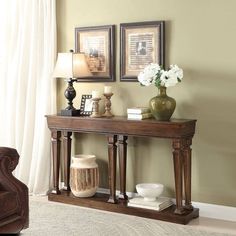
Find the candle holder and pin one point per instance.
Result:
(107, 112)
(95, 108)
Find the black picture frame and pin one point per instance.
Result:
(86, 105)
(141, 43)
(98, 45)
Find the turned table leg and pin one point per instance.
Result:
(112, 139)
(55, 140)
(178, 170)
(122, 150)
(67, 157)
(187, 173)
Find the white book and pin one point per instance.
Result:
(157, 208)
(139, 116)
(138, 110)
(158, 205)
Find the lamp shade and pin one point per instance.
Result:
(71, 65)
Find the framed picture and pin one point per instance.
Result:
(98, 44)
(142, 43)
(86, 105)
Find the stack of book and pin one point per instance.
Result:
(139, 113)
(160, 204)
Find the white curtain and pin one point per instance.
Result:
(27, 90)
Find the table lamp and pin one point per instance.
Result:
(71, 66)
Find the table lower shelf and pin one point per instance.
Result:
(99, 201)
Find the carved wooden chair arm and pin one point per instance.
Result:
(13, 194)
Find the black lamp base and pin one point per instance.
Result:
(70, 94)
(70, 112)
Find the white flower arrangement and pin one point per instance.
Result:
(154, 74)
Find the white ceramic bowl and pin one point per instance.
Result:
(150, 191)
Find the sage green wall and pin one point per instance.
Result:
(200, 38)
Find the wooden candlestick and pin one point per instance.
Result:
(107, 112)
(95, 108)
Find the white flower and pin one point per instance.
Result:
(171, 81)
(153, 67)
(145, 79)
(164, 77)
(153, 74)
(148, 75)
(178, 71)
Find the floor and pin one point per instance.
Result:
(214, 225)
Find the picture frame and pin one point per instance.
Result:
(86, 105)
(98, 45)
(141, 43)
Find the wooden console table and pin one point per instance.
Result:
(117, 130)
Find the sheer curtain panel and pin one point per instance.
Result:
(27, 91)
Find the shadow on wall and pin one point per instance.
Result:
(94, 144)
(149, 161)
(103, 173)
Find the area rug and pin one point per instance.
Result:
(50, 218)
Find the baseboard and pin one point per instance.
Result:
(216, 211)
(205, 209)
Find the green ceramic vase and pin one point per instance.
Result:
(162, 106)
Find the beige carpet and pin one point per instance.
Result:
(49, 219)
